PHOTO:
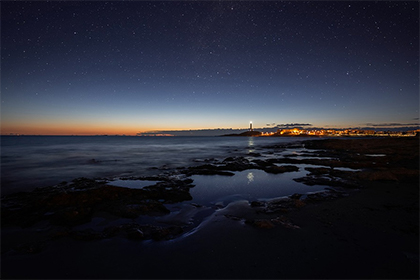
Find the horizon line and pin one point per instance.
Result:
(138, 134)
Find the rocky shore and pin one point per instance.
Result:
(371, 202)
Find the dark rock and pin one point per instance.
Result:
(378, 175)
(261, 163)
(159, 233)
(318, 171)
(254, 154)
(131, 211)
(196, 205)
(295, 196)
(211, 172)
(32, 247)
(143, 232)
(232, 217)
(260, 223)
(299, 203)
(71, 216)
(285, 222)
(236, 164)
(271, 223)
(329, 194)
(135, 233)
(325, 181)
(111, 231)
(310, 181)
(84, 183)
(281, 169)
(76, 203)
(86, 235)
(207, 169)
(258, 203)
(187, 181)
(59, 233)
(279, 205)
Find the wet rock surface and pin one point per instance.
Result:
(132, 231)
(69, 204)
(370, 160)
(238, 164)
(368, 218)
(269, 210)
(76, 202)
(364, 161)
(63, 207)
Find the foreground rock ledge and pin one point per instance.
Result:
(75, 203)
(390, 161)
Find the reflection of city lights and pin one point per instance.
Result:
(250, 144)
(250, 141)
(250, 177)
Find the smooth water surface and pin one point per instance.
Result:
(34, 161)
(248, 185)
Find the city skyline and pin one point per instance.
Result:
(391, 129)
(87, 68)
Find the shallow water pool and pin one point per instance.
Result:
(248, 185)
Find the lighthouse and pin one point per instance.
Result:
(250, 126)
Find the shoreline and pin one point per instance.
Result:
(326, 232)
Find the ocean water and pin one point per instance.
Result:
(28, 162)
(209, 240)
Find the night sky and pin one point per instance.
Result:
(127, 67)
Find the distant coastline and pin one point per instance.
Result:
(296, 132)
(259, 132)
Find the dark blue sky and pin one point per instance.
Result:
(126, 67)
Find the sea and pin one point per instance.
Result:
(212, 244)
(28, 162)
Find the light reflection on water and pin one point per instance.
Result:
(249, 185)
(29, 162)
(250, 177)
(251, 145)
(245, 185)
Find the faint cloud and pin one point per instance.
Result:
(289, 125)
(390, 124)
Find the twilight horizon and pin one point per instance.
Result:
(124, 68)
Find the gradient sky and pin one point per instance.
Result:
(127, 67)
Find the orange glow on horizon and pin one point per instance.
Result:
(67, 129)
(89, 128)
